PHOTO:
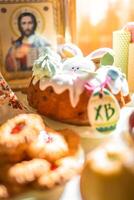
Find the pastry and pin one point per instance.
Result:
(50, 150)
(28, 171)
(62, 91)
(16, 133)
(36, 157)
(109, 170)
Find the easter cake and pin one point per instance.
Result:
(61, 89)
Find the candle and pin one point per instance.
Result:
(121, 40)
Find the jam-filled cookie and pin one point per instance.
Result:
(62, 171)
(28, 171)
(16, 133)
(34, 157)
(52, 148)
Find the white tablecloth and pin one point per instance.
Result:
(72, 190)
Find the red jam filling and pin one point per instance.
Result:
(49, 139)
(18, 128)
(53, 166)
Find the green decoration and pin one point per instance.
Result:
(107, 59)
(47, 64)
(106, 129)
(104, 112)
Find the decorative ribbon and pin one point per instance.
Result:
(89, 87)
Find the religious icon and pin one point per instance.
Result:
(25, 28)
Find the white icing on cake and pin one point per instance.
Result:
(116, 85)
(69, 79)
(78, 65)
(75, 72)
(62, 82)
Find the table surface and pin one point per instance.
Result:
(72, 188)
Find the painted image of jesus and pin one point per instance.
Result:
(25, 49)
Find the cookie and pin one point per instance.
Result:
(51, 150)
(64, 169)
(28, 171)
(17, 133)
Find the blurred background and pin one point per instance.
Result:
(97, 19)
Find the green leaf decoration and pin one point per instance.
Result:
(107, 59)
(105, 91)
(47, 64)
